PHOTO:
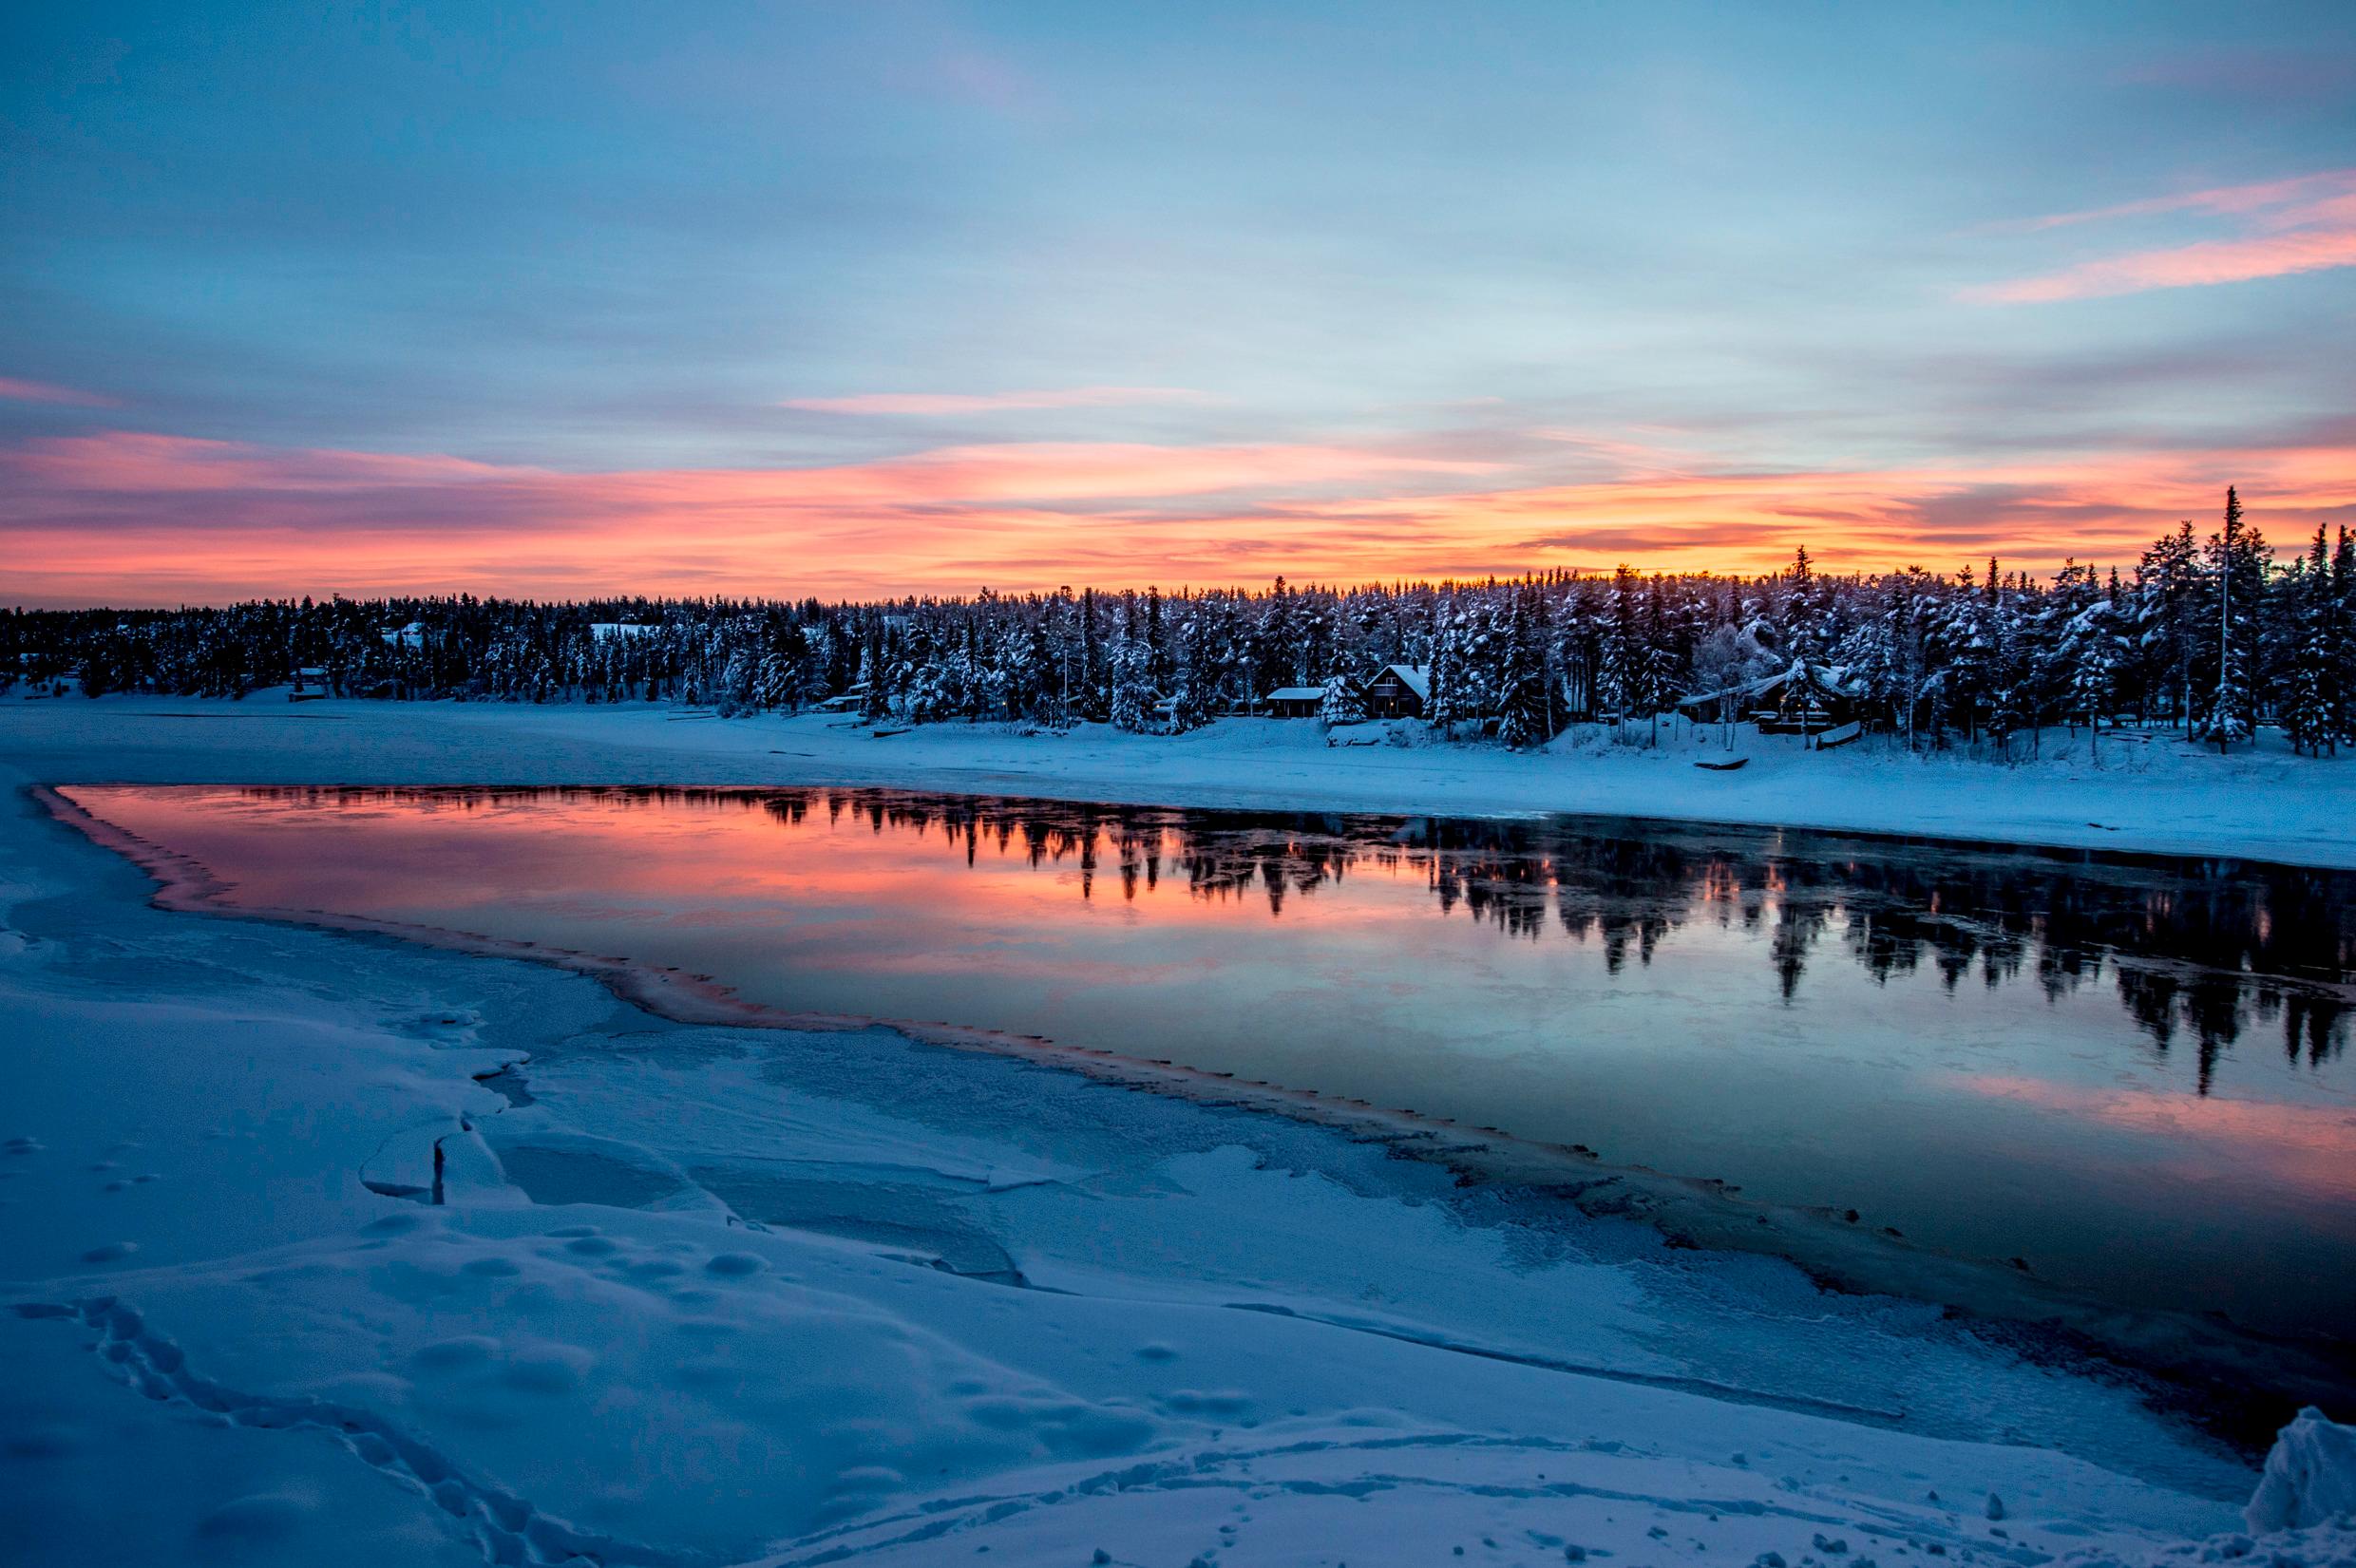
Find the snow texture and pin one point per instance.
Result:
(699, 1294)
(2127, 792)
(2310, 1476)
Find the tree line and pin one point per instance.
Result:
(2212, 634)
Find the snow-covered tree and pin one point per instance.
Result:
(1343, 703)
(2311, 711)
(1133, 698)
(1526, 711)
(2224, 649)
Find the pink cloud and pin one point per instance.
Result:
(2188, 266)
(2289, 226)
(18, 390)
(2220, 199)
(990, 402)
(131, 463)
(138, 518)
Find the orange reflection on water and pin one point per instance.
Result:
(1782, 1010)
(2309, 1146)
(728, 853)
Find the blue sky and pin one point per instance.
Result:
(1612, 264)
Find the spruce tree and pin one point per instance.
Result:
(2235, 582)
(1132, 693)
(2168, 593)
(1525, 698)
(1445, 705)
(1341, 704)
(2343, 636)
(2308, 715)
(1620, 647)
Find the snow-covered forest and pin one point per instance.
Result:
(2215, 636)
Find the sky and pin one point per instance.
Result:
(887, 298)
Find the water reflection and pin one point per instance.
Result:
(2130, 1072)
(2206, 950)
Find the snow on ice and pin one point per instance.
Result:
(702, 1295)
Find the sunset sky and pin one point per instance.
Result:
(877, 299)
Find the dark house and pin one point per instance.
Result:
(1399, 692)
(1807, 699)
(1293, 701)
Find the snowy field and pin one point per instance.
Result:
(709, 1296)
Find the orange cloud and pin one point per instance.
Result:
(130, 518)
(2303, 225)
(991, 402)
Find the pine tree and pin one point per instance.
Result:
(2309, 710)
(1093, 700)
(1662, 664)
(1341, 704)
(2009, 667)
(1132, 693)
(1526, 714)
(1963, 650)
(1620, 655)
(2235, 582)
(1800, 636)
(2168, 591)
(1194, 692)
(2092, 654)
(2344, 635)
(1445, 705)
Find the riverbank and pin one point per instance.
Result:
(693, 1294)
(2153, 794)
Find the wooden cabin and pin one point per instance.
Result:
(1293, 701)
(1807, 699)
(1399, 692)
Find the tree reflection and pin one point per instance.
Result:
(2199, 952)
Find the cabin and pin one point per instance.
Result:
(1294, 702)
(1807, 699)
(1399, 691)
(311, 684)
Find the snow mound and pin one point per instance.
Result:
(2321, 1546)
(2302, 1516)
(2310, 1476)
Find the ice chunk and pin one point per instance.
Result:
(2310, 1476)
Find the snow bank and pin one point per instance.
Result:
(2155, 794)
(2310, 1476)
(2302, 1516)
(700, 1295)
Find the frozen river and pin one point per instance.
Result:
(2123, 1079)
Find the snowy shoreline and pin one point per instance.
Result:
(2201, 1361)
(2156, 795)
(700, 1294)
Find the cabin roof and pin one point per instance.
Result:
(1832, 680)
(1297, 694)
(1416, 677)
